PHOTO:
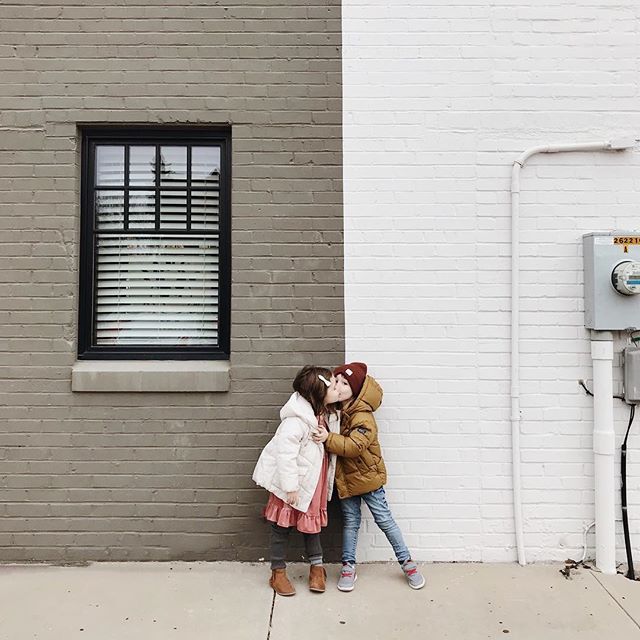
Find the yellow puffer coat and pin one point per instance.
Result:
(360, 467)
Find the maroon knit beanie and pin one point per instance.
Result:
(355, 373)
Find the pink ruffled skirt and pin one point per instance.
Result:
(284, 515)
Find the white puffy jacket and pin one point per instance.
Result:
(292, 461)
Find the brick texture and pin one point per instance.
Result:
(162, 476)
(440, 98)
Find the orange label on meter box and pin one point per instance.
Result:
(626, 240)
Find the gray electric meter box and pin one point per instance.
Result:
(612, 280)
(632, 375)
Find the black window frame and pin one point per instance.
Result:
(117, 135)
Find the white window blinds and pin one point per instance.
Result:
(157, 290)
(156, 245)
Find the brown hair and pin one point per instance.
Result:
(312, 389)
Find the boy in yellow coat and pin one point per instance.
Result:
(361, 473)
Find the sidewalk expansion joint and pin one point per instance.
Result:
(273, 604)
(595, 575)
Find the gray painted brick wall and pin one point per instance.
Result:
(162, 476)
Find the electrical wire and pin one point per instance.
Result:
(590, 393)
(584, 386)
(584, 542)
(632, 414)
(623, 495)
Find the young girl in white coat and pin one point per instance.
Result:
(299, 474)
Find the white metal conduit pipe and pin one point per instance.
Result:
(604, 444)
(603, 420)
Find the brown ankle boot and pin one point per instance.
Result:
(317, 578)
(280, 583)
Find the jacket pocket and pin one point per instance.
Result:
(368, 459)
(362, 468)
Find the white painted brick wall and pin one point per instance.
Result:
(439, 98)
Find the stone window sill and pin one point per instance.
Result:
(151, 376)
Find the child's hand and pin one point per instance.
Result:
(292, 497)
(320, 435)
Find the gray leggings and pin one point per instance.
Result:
(280, 539)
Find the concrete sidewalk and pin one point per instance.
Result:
(198, 601)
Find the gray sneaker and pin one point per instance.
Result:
(348, 577)
(412, 574)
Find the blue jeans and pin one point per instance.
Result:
(377, 503)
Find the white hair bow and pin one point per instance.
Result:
(321, 377)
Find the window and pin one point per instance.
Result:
(155, 244)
